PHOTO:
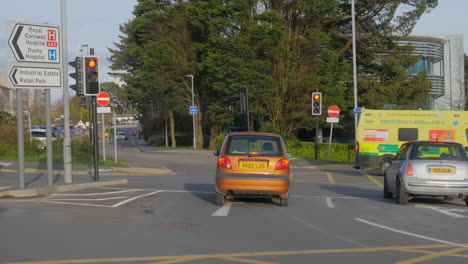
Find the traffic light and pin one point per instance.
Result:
(91, 76)
(316, 103)
(85, 101)
(78, 87)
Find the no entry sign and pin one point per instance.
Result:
(333, 111)
(103, 99)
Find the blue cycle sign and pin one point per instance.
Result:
(193, 110)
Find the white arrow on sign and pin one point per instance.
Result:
(35, 43)
(33, 77)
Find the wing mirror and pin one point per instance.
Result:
(216, 153)
(388, 160)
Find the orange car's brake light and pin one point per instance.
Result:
(224, 162)
(409, 169)
(282, 164)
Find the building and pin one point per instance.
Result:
(442, 56)
(33, 99)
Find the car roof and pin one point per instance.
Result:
(38, 130)
(431, 142)
(253, 134)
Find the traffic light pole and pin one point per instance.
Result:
(95, 136)
(316, 135)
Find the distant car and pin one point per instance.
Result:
(121, 135)
(255, 164)
(427, 168)
(39, 137)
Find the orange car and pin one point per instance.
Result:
(252, 163)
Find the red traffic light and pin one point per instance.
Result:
(92, 63)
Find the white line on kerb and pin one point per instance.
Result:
(224, 210)
(411, 234)
(330, 202)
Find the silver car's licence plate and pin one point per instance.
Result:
(441, 170)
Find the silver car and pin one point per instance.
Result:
(427, 168)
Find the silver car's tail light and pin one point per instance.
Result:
(409, 169)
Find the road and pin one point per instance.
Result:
(336, 215)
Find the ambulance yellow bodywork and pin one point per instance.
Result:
(381, 132)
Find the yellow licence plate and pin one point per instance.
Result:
(253, 165)
(441, 170)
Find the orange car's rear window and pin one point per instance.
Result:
(254, 145)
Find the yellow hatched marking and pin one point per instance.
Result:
(240, 257)
(4, 187)
(330, 178)
(432, 255)
(374, 180)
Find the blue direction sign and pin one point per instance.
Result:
(193, 109)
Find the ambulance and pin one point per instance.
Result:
(380, 133)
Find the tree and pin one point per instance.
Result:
(382, 62)
(119, 97)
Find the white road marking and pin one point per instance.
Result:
(57, 202)
(97, 199)
(134, 198)
(334, 197)
(330, 202)
(411, 234)
(224, 210)
(4, 164)
(93, 194)
(449, 211)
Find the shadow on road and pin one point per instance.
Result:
(202, 191)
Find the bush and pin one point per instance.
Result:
(157, 140)
(339, 151)
(219, 142)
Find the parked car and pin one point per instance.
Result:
(252, 164)
(427, 168)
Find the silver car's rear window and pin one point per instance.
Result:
(439, 151)
(254, 145)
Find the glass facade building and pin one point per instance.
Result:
(442, 57)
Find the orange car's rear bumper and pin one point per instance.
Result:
(252, 187)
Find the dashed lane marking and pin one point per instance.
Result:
(224, 210)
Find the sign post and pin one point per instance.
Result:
(333, 113)
(34, 62)
(103, 99)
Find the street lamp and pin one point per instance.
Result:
(193, 115)
(353, 28)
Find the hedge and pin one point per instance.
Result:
(338, 152)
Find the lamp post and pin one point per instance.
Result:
(353, 24)
(193, 115)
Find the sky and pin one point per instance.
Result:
(96, 23)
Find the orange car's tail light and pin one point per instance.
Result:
(409, 169)
(282, 164)
(224, 162)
